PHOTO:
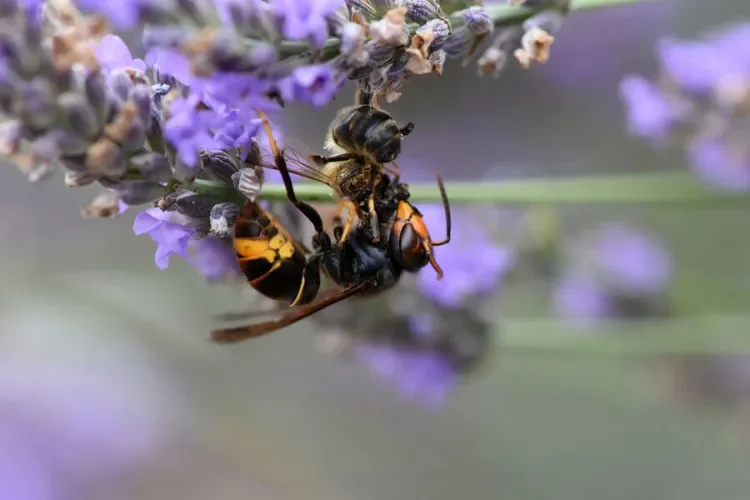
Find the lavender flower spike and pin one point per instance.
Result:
(615, 272)
(700, 102)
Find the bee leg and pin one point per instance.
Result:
(407, 129)
(338, 233)
(322, 160)
(374, 222)
(307, 210)
(362, 97)
(351, 214)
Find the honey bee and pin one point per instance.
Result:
(362, 139)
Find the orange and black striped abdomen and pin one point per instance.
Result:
(271, 261)
(369, 132)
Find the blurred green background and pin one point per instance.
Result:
(552, 416)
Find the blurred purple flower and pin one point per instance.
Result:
(581, 300)
(306, 19)
(651, 114)
(579, 63)
(480, 274)
(60, 421)
(630, 262)
(170, 62)
(23, 476)
(716, 164)
(425, 376)
(171, 237)
(112, 53)
(699, 66)
(611, 271)
(123, 14)
(315, 84)
(704, 88)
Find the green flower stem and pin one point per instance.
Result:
(500, 13)
(704, 334)
(609, 189)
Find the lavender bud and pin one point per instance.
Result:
(10, 137)
(459, 42)
(140, 95)
(477, 20)
(419, 11)
(8, 8)
(78, 115)
(550, 21)
(363, 6)
(218, 165)
(73, 163)
(137, 192)
(492, 62)
(223, 217)
(36, 105)
(197, 206)
(152, 167)
(391, 30)
(96, 90)
(254, 156)
(104, 206)
(201, 227)
(56, 142)
(126, 129)
(104, 157)
(79, 179)
(435, 33)
(353, 45)
(120, 82)
(437, 59)
(378, 54)
(248, 182)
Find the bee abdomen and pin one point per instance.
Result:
(362, 129)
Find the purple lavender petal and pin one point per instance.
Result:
(123, 14)
(306, 19)
(113, 53)
(188, 129)
(214, 259)
(171, 238)
(316, 84)
(717, 166)
(170, 62)
(148, 220)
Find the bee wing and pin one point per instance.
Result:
(291, 316)
(299, 164)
